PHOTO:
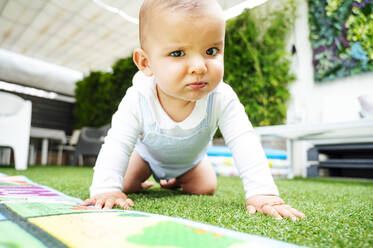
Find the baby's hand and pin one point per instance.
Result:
(109, 200)
(272, 205)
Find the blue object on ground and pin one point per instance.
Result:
(224, 151)
(219, 151)
(275, 154)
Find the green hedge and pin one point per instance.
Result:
(99, 94)
(257, 66)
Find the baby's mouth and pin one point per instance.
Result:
(197, 85)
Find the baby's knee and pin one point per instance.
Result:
(202, 189)
(208, 190)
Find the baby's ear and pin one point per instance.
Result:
(142, 62)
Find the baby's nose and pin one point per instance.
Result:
(197, 66)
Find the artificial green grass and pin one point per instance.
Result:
(339, 211)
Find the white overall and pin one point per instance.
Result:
(168, 156)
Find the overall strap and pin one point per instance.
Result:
(209, 108)
(209, 103)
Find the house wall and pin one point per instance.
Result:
(326, 102)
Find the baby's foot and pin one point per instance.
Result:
(170, 184)
(147, 184)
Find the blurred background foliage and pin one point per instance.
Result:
(341, 36)
(257, 66)
(257, 63)
(99, 93)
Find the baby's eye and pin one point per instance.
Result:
(178, 53)
(212, 51)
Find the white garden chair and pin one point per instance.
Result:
(15, 124)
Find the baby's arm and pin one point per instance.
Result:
(251, 162)
(261, 191)
(112, 161)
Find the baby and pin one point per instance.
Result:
(166, 120)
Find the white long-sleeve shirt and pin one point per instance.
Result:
(227, 113)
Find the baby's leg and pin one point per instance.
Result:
(200, 180)
(137, 173)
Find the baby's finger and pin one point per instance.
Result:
(267, 209)
(295, 212)
(99, 204)
(121, 203)
(283, 211)
(88, 202)
(251, 209)
(130, 202)
(109, 203)
(126, 206)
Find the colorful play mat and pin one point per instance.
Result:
(33, 216)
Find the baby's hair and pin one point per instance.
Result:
(151, 7)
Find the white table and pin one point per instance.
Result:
(359, 131)
(47, 134)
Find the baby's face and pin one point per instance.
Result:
(185, 53)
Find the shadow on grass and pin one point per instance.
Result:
(7, 166)
(178, 196)
(156, 193)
